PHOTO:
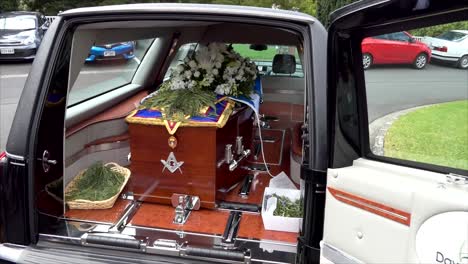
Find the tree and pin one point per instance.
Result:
(325, 7)
(9, 5)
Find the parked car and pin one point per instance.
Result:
(114, 51)
(450, 46)
(356, 207)
(21, 34)
(394, 48)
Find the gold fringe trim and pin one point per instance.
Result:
(132, 119)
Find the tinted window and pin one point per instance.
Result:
(108, 67)
(452, 36)
(17, 23)
(384, 36)
(399, 36)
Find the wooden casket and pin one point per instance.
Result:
(186, 158)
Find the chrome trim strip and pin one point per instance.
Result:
(18, 164)
(267, 261)
(173, 231)
(50, 237)
(84, 221)
(95, 148)
(76, 220)
(126, 216)
(13, 156)
(337, 256)
(272, 242)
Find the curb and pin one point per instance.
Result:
(379, 127)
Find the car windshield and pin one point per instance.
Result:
(17, 23)
(452, 36)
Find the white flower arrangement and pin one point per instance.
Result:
(215, 66)
(213, 69)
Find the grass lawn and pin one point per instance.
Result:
(436, 134)
(264, 55)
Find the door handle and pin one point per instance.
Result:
(46, 162)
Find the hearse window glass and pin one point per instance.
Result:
(263, 57)
(108, 66)
(417, 95)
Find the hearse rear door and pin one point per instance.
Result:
(380, 209)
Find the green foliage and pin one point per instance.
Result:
(439, 29)
(9, 5)
(186, 101)
(286, 207)
(325, 7)
(98, 183)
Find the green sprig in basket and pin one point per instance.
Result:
(99, 204)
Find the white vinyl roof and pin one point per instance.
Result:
(226, 10)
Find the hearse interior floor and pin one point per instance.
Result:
(204, 221)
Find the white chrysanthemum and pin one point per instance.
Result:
(203, 58)
(196, 74)
(192, 64)
(188, 74)
(215, 72)
(180, 68)
(192, 84)
(219, 58)
(223, 89)
(177, 84)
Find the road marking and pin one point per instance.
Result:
(12, 76)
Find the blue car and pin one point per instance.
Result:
(114, 51)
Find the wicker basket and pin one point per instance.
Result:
(52, 185)
(104, 204)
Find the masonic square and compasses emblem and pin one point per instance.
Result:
(172, 164)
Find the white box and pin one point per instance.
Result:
(280, 223)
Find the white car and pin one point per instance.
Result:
(450, 46)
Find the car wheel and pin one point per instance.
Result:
(420, 61)
(366, 60)
(463, 62)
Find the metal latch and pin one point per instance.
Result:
(184, 205)
(46, 162)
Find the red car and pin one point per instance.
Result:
(395, 48)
